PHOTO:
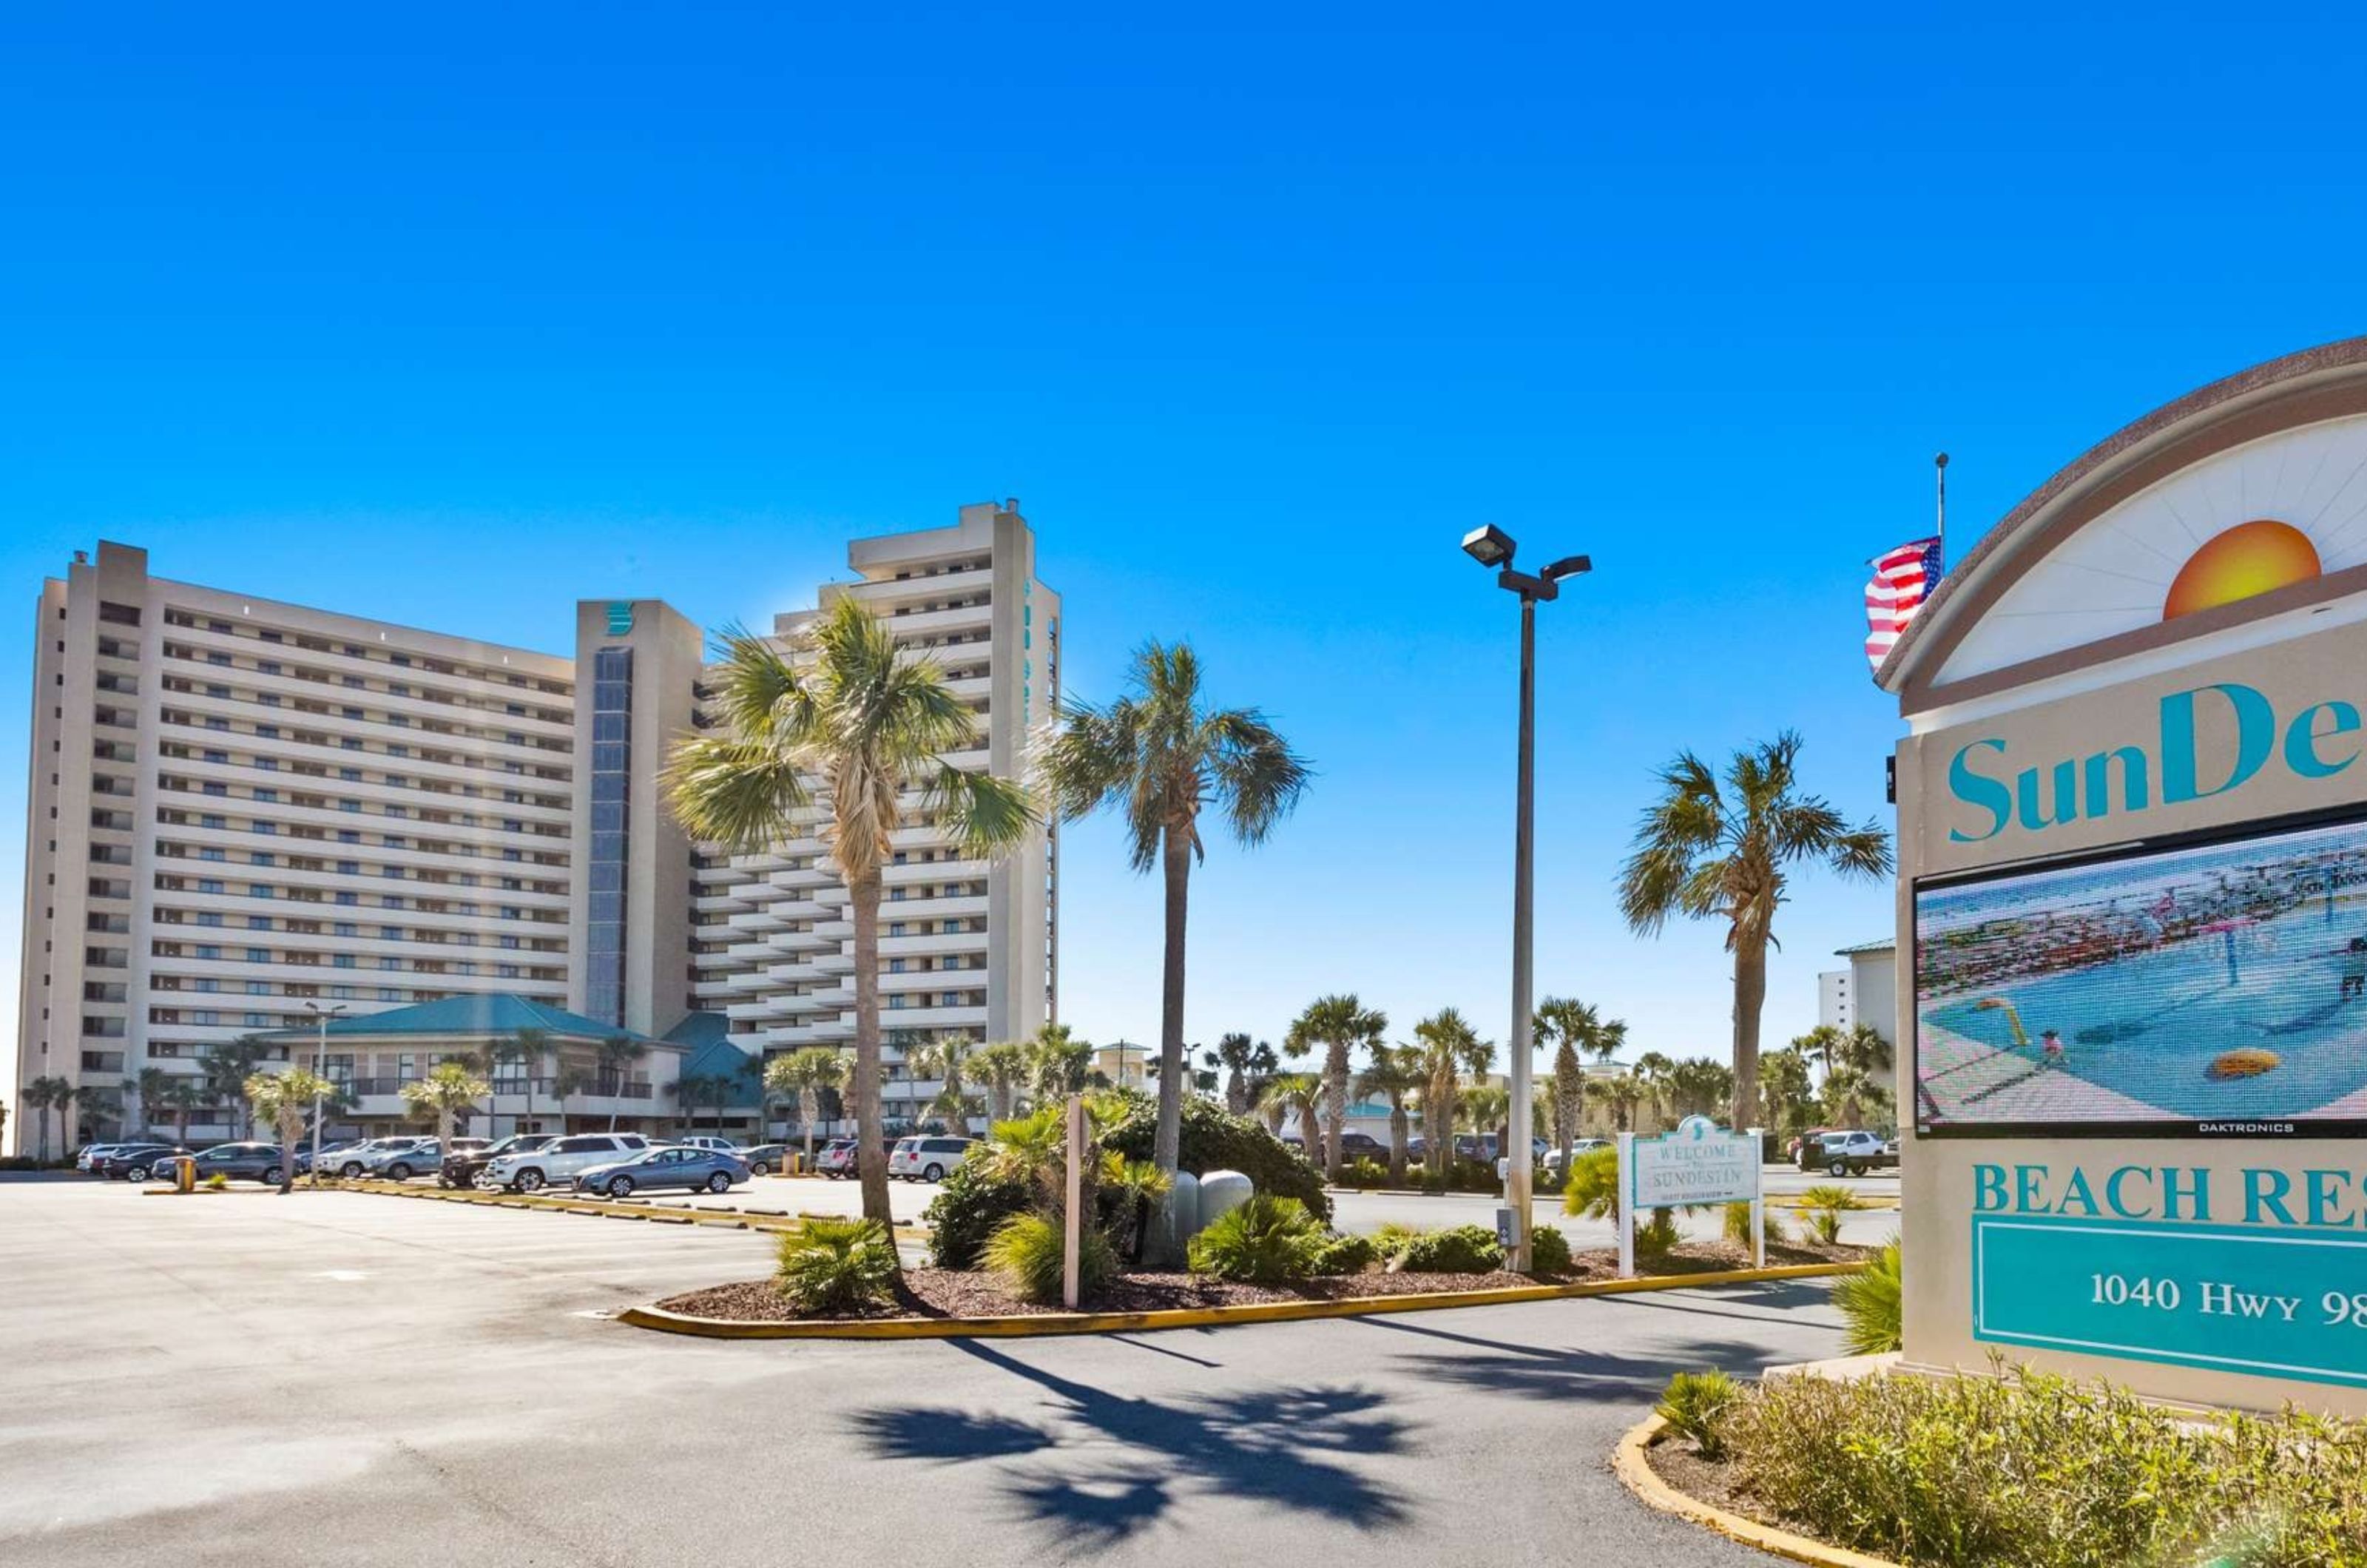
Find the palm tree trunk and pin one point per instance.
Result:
(808, 1103)
(1749, 996)
(1335, 1109)
(1167, 1143)
(870, 1153)
(1398, 1138)
(1237, 1093)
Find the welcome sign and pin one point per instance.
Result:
(1700, 1163)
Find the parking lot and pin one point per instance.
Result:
(338, 1378)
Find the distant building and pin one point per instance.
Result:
(1836, 1006)
(1869, 987)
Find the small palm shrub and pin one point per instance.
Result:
(1871, 1306)
(1267, 1241)
(1466, 1249)
(1391, 1238)
(1363, 1171)
(1027, 1252)
(1592, 1190)
(1656, 1235)
(1695, 1406)
(1738, 1225)
(1822, 1208)
(831, 1265)
(1344, 1255)
(1548, 1251)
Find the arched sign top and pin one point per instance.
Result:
(2243, 500)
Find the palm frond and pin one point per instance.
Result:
(984, 814)
(735, 792)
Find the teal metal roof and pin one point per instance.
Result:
(712, 1055)
(499, 1014)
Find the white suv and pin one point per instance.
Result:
(705, 1141)
(926, 1159)
(559, 1161)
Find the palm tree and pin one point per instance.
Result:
(1001, 1069)
(943, 1060)
(1487, 1108)
(1299, 1094)
(1059, 1062)
(1708, 850)
(614, 1058)
(1822, 1043)
(1335, 1023)
(180, 1094)
(1651, 1073)
(41, 1094)
(689, 1091)
(1395, 1072)
(149, 1086)
(226, 1065)
(1699, 1086)
(803, 1075)
(1450, 1049)
(1160, 758)
(1268, 1098)
(566, 1083)
(858, 728)
(530, 1048)
(1786, 1086)
(97, 1102)
(448, 1088)
(1240, 1061)
(281, 1098)
(1623, 1092)
(1573, 1027)
(1864, 1050)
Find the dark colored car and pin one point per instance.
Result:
(462, 1166)
(240, 1162)
(132, 1162)
(767, 1158)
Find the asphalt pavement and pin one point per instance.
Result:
(343, 1379)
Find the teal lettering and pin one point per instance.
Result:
(2328, 1188)
(2066, 803)
(2028, 1198)
(1979, 790)
(2303, 735)
(2200, 1193)
(2113, 1192)
(1988, 1188)
(2255, 727)
(2076, 1191)
(2134, 793)
(2266, 1191)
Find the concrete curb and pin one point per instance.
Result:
(1033, 1325)
(631, 1209)
(1635, 1472)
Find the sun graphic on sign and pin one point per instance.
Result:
(2250, 558)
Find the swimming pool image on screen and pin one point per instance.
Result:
(2217, 983)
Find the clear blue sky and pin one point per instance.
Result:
(451, 315)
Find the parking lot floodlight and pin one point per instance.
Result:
(1490, 545)
(1568, 566)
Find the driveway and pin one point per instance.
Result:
(337, 1378)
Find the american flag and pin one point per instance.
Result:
(1902, 580)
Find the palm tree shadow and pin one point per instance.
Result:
(1284, 1448)
(1542, 1371)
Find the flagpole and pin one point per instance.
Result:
(1940, 477)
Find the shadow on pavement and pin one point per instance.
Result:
(1280, 1446)
(1546, 1372)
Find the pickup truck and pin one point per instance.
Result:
(1854, 1153)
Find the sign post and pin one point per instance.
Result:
(1699, 1164)
(1073, 1222)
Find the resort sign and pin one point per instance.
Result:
(1698, 1164)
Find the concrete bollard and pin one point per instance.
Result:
(1221, 1191)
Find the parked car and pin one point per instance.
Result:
(1854, 1153)
(531, 1170)
(767, 1158)
(836, 1159)
(1578, 1146)
(461, 1166)
(132, 1162)
(927, 1158)
(705, 1141)
(243, 1162)
(679, 1166)
(397, 1160)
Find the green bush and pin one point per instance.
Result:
(1027, 1252)
(217, 1181)
(1346, 1255)
(1466, 1249)
(1592, 1190)
(2028, 1469)
(1738, 1223)
(1656, 1234)
(1212, 1140)
(833, 1266)
(1266, 1241)
(1871, 1304)
(1548, 1251)
(1363, 1171)
(1391, 1238)
(1822, 1211)
(1695, 1406)
(966, 1210)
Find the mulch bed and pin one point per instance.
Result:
(944, 1292)
(1704, 1480)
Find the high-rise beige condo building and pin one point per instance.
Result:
(244, 814)
(967, 947)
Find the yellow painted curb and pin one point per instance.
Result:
(1031, 1324)
(1635, 1473)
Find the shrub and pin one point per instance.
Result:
(1466, 1249)
(1391, 1238)
(1476, 1176)
(1267, 1241)
(1656, 1235)
(1548, 1251)
(1363, 1171)
(217, 1181)
(1212, 1140)
(1871, 1304)
(1738, 1223)
(833, 1266)
(1027, 1252)
(1695, 1406)
(1822, 1211)
(1346, 1255)
(2031, 1469)
(966, 1210)
(1592, 1190)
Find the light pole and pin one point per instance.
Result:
(320, 1071)
(1491, 546)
